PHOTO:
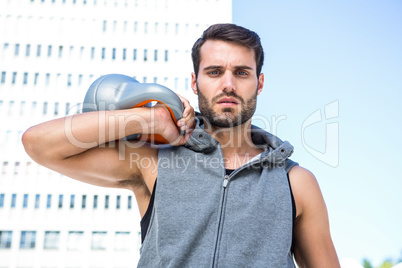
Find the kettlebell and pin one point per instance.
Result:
(117, 91)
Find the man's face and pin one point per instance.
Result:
(227, 83)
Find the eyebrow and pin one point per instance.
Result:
(214, 67)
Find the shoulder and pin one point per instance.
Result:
(305, 188)
(313, 243)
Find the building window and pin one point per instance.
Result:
(124, 53)
(156, 27)
(13, 200)
(176, 83)
(25, 81)
(129, 202)
(28, 50)
(186, 84)
(14, 78)
(187, 26)
(11, 108)
(60, 201)
(155, 80)
(155, 55)
(75, 240)
(72, 201)
(45, 104)
(92, 52)
(122, 241)
(113, 53)
(145, 54)
(69, 80)
(166, 55)
(104, 26)
(106, 202)
(71, 51)
(67, 108)
(103, 52)
(166, 28)
(84, 201)
(2, 196)
(98, 241)
(3, 77)
(49, 51)
(17, 49)
(135, 26)
(52, 239)
(5, 164)
(37, 200)
(47, 79)
(28, 239)
(49, 201)
(118, 200)
(79, 79)
(25, 201)
(56, 108)
(38, 50)
(176, 28)
(135, 54)
(81, 51)
(60, 51)
(79, 107)
(22, 108)
(145, 27)
(95, 202)
(5, 239)
(36, 78)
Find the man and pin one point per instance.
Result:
(223, 195)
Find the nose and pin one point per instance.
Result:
(228, 82)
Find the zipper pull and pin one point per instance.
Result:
(225, 181)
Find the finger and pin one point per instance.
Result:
(186, 105)
(190, 122)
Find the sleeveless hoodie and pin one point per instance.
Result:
(204, 218)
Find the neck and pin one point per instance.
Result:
(236, 143)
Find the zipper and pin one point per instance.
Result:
(218, 236)
(225, 183)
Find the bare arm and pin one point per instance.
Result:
(77, 146)
(313, 243)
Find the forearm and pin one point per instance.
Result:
(61, 138)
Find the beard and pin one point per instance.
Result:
(228, 117)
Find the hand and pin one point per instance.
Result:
(187, 122)
(165, 126)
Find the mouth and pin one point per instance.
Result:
(228, 101)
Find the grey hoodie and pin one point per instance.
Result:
(204, 218)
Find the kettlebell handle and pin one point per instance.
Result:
(117, 92)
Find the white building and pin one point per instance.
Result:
(50, 52)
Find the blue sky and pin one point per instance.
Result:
(345, 56)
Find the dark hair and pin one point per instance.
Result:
(230, 33)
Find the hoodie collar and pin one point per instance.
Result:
(275, 150)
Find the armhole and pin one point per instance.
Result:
(144, 223)
(293, 215)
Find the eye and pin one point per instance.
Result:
(215, 72)
(242, 73)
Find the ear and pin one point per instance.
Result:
(260, 83)
(194, 83)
